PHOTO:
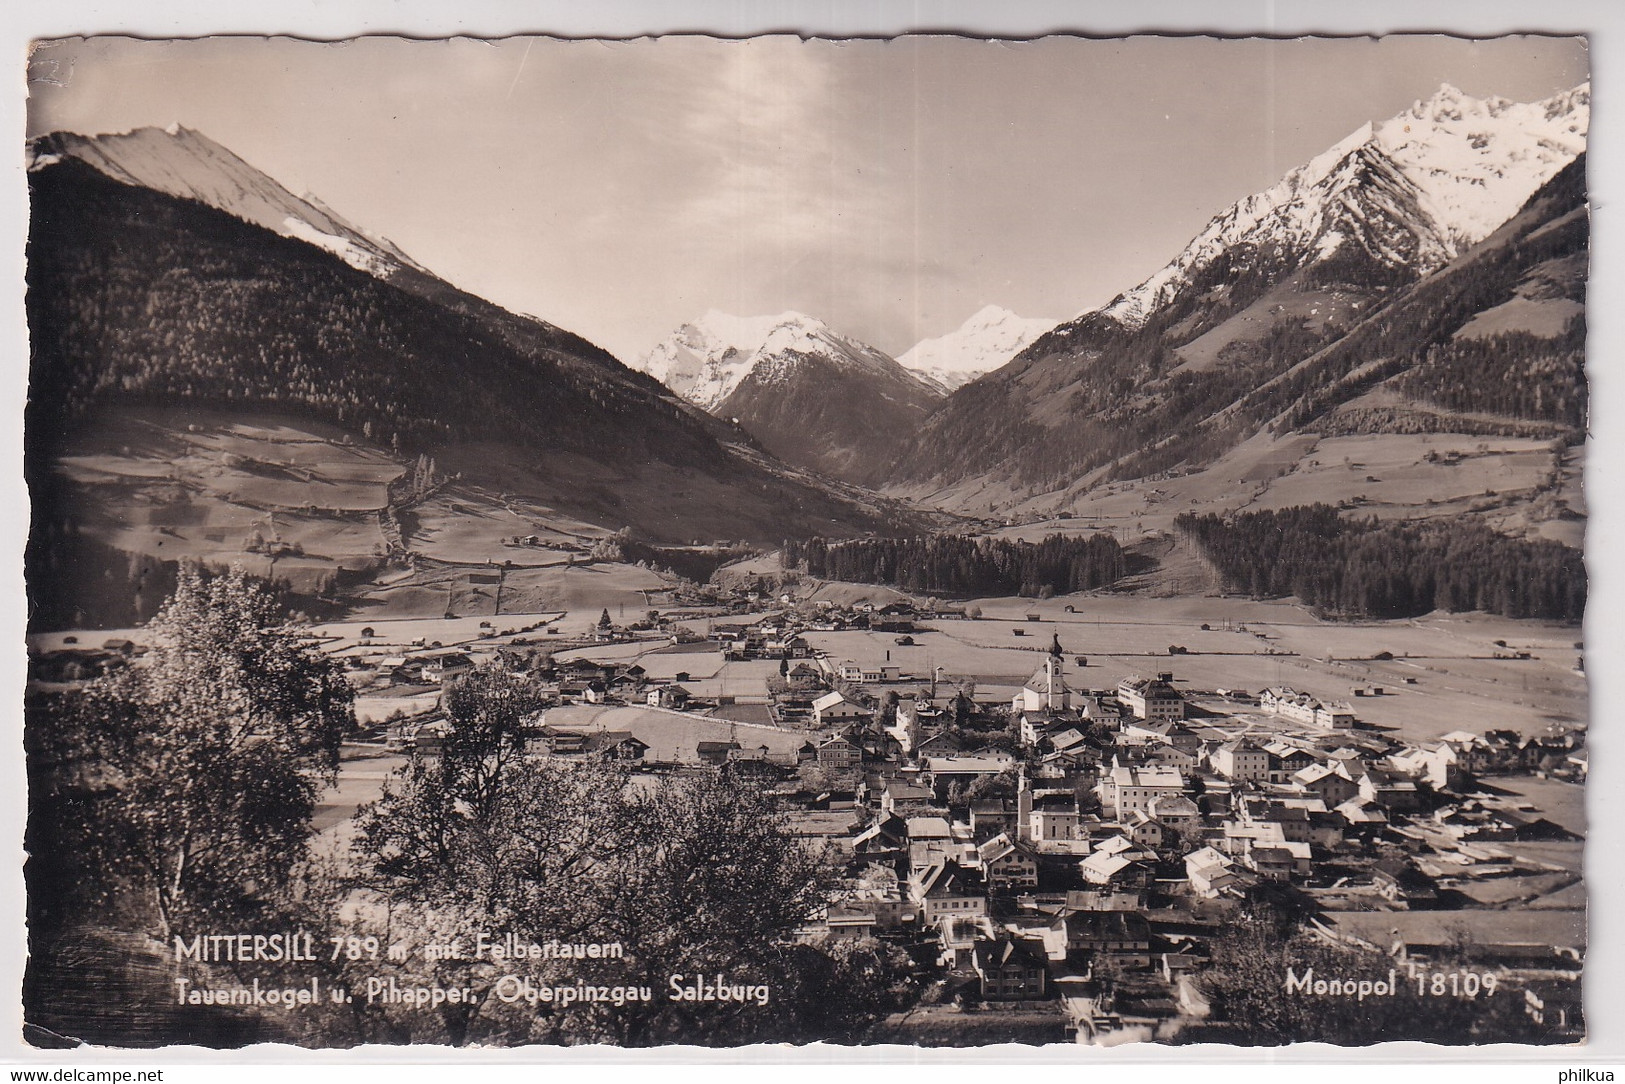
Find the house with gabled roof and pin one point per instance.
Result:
(1122, 936)
(834, 709)
(1362, 817)
(1106, 898)
(1007, 863)
(1065, 736)
(1293, 820)
(1304, 708)
(838, 752)
(940, 744)
(672, 697)
(887, 836)
(1273, 862)
(1122, 868)
(1126, 790)
(945, 889)
(1176, 812)
(804, 675)
(715, 753)
(615, 745)
(1146, 831)
(1010, 969)
(441, 669)
(1394, 795)
(928, 828)
(990, 816)
(1212, 874)
(1326, 783)
(1287, 760)
(1169, 756)
(1401, 883)
(907, 799)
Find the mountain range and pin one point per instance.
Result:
(1425, 275)
(1207, 352)
(815, 398)
(165, 273)
(1407, 194)
(186, 164)
(991, 337)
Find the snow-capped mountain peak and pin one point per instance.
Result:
(704, 361)
(1414, 190)
(986, 341)
(183, 162)
(1476, 161)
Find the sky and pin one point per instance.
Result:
(890, 188)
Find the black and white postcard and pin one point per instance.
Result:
(928, 541)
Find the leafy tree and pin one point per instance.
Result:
(208, 758)
(698, 873)
(453, 850)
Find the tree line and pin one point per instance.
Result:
(1368, 568)
(1515, 373)
(953, 564)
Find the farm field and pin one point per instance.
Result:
(1248, 645)
(1546, 927)
(1390, 475)
(343, 637)
(304, 503)
(472, 525)
(1459, 685)
(581, 592)
(376, 707)
(1443, 675)
(194, 485)
(1559, 802)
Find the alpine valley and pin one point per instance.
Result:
(224, 371)
(1419, 284)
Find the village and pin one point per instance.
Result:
(1054, 854)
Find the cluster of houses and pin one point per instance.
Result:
(1079, 848)
(779, 636)
(1090, 867)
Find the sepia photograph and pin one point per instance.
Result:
(919, 541)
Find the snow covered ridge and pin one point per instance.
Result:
(983, 343)
(706, 360)
(1454, 168)
(185, 163)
